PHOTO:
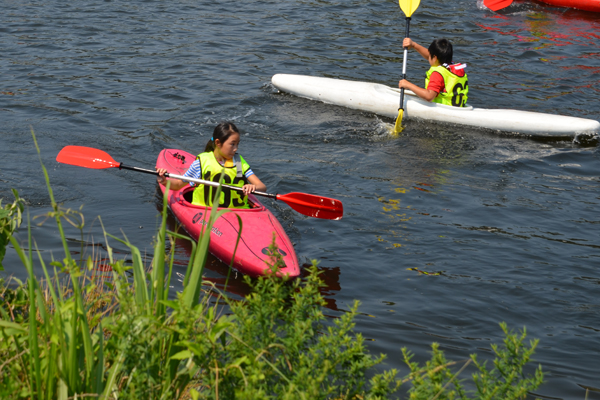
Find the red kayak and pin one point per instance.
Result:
(258, 225)
(587, 5)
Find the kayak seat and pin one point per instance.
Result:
(188, 194)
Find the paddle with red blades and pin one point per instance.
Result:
(306, 204)
(496, 5)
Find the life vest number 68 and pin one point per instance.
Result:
(458, 95)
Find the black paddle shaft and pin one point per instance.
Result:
(404, 65)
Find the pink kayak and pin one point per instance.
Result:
(258, 225)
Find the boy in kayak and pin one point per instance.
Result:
(446, 83)
(219, 154)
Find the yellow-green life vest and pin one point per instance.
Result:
(457, 87)
(234, 176)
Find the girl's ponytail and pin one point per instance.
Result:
(210, 146)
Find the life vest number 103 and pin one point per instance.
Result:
(229, 196)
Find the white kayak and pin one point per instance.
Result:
(384, 100)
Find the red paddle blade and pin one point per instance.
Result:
(86, 157)
(313, 206)
(496, 5)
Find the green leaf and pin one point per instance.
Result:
(12, 327)
(182, 355)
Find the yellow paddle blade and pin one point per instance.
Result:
(409, 6)
(398, 128)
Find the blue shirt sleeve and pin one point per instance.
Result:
(194, 171)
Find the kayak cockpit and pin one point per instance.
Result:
(187, 195)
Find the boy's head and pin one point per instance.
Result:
(442, 49)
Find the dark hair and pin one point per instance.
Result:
(442, 49)
(222, 132)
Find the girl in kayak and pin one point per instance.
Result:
(446, 83)
(219, 154)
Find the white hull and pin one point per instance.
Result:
(384, 100)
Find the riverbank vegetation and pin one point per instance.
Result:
(70, 335)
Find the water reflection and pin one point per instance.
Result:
(528, 22)
(228, 280)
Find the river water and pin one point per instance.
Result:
(511, 221)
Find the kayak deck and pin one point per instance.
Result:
(257, 227)
(384, 100)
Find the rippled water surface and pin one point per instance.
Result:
(510, 222)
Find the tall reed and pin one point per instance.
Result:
(63, 352)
